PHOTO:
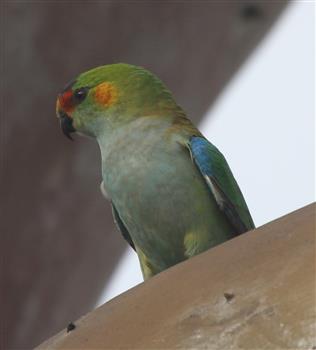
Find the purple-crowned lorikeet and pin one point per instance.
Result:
(172, 192)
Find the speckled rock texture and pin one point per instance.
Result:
(256, 291)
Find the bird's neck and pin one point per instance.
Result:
(149, 128)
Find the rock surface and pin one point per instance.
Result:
(255, 291)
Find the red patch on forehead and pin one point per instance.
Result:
(66, 101)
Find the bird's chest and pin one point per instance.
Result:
(136, 169)
(150, 180)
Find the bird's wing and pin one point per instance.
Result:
(220, 180)
(117, 219)
(122, 227)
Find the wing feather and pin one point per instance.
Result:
(119, 223)
(221, 182)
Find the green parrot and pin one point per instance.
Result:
(172, 192)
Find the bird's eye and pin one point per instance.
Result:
(80, 94)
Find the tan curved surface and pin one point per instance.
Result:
(255, 291)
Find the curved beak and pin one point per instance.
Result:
(64, 106)
(66, 124)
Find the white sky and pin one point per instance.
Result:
(263, 123)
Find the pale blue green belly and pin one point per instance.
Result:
(162, 200)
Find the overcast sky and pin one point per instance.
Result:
(263, 123)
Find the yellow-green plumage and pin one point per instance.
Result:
(172, 191)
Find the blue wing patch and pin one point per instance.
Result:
(220, 180)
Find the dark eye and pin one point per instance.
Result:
(80, 94)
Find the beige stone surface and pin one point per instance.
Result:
(256, 291)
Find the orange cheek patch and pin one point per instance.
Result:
(105, 94)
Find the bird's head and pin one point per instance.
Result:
(110, 96)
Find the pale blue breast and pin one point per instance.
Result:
(158, 192)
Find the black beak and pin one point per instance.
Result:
(66, 124)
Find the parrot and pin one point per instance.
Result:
(172, 193)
